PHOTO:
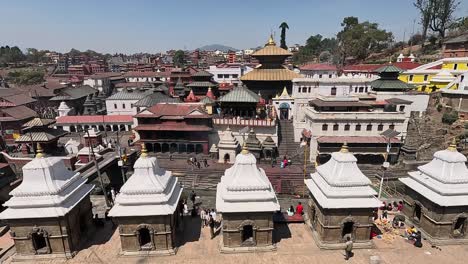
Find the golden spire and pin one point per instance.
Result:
(245, 150)
(39, 151)
(144, 152)
(344, 148)
(271, 42)
(453, 145)
(284, 93)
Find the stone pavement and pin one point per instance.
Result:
(295, 246)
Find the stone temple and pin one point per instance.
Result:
(436, 198)
(49, 213)
(341, 202)
(246, 200)
(147, 209)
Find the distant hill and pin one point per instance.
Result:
(217, 47)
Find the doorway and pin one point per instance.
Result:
(144, 239)
(417, 212)
(226, 158)
(459, 227)
(284, 111)
(348, 229)
(247, 235)
(39, 243)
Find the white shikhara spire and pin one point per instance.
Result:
(151, 190)
(339, 183)
(444, 180)
(48, 189)
(245, 188)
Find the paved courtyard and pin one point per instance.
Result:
(295, 246)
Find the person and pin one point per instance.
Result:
(418, 237)
(411, 232)
(205, 162)
(290, 211)
(348, 248)
(384, 205)
(203, 217)
(400, 206)
(395, 206)
(213, 214)
(207, 217)
(212, 226)
(198, 165)
(384, 214)
(389, 206)
(170, 157)
(185, 208)
(193, 196)
(194, 212)
(299, 209)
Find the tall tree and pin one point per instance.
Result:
(426, 10)
(443, 18)
(283, 27)
(179, 58)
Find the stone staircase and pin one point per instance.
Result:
(287, 146)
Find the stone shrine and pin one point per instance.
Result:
(147, 209)
(436, 198)
(49, 213)
(246, 200)
(253, 144)
(228, 147)
(341, 202)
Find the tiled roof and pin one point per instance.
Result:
(165, 109)
(355, 139)
(381, 84)
(207, 100)
(19, 99)
(172, 127)
(20, 112)
(202, 74)
(201, 84)
(270, 75)
(103, 75)
(94, 119)
(362, 67)
(407, 65)
(39, 122)
(76, 92)
(388, 69)
(45, 135)
(318, 67)
(240, 94)
(155, 98)
(129, 95)
(398, 101)
(460, 39)
(144, 74)
(271, 50)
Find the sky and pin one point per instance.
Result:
(154, 26)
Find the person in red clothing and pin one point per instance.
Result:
(299, 208)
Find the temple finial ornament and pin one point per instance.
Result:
(271, 42)
(453, 145)
(245, 150)
(144, 151)
(344, 148)
(39, 151)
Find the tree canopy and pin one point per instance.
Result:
(11, 55)
(26, 77)
(179, 58)
(314, 47)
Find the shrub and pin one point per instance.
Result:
(450, 117)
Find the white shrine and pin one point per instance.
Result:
(436, 197)
(228, 147)
(246, 199)
(147, 209)
(50, 211)
(341, 202)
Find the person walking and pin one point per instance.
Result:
(193, 197)
(348, 248)
(212, 226)
(202, 217)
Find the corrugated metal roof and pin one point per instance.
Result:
(270, 75)
(156, 98)
(389, 68)
(355, 139)
(172, 127)
(207, 100)
(38, 122)
(19, 99)
(45, 135)
(202, 74)
(129, 95)
(240, 94)
(460, 39)
(20, 112)
(75, 93)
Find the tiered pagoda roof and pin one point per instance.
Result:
(48, 189)
(151, 190)
(245, 188)
(444, 180)
(240, 94)
(269, 143)
(252, 143)
(340, 184)
(228, 141)
(389, 81)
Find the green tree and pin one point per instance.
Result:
(314, 48)
(179, 58)
(425, 8)
(443, 16)
(27, 77)
(284, 26)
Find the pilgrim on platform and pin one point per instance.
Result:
(228, 147)
(246, 200)
(49, 213)
(341, 202)
(436, 197)
(147, 209)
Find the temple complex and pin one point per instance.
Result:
(228, 147)
(147, 209)
(253, 144)
(175, 128)
(247, 201)
(49, 213)
(180, 90)
(271, 77)
(436, 197)
(341, 202)
(201, 81)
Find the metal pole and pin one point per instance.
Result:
(384, 169)
(305, 169)
(97, 170)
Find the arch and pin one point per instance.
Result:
(72, 129)
(101, 128)
(267, 154)
(284, 106)
(40, 240)
(145, 236)
(86, 127)
(93, 126)
(122, 128)
(198, 148)
(459, 225)
(115, 127)
(157, 147)
(182, 148)
(164, 147)
(226, 157)
(149, 147)
(247, 233)
(79, 128)
(173, 147)
(190, 148)
(108, 128)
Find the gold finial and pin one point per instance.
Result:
(344, 148)
(39, 151)
(245, 150)
(453, 145)
(144, 151)
(271, 42)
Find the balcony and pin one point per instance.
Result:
(315, 115)
(244, 122)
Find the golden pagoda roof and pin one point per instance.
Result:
(271, 49)
(270, 75)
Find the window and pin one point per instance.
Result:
(320, 76)
(425, 77)
(226, 76)
(455, 66)
(324, 127)
(402, 108)
(346, 127)
(355, 89)
(392, 126)
(299, 89)
(309, 89)
(361, 89)
(358, 127)
(380, 127)
(235, 75)
(304, 89)
(336, 127)
(115, 106)
(329, 76)
(367, 89)
(369, 127)
(220, 76)
(410, 78)
(123, 106)
(333, 91)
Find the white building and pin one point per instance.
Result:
(229, 72)
(122, 103)
(103, 81)
(284, 105)
(147, 76)
(228, 147)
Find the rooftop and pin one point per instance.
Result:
(240, 94)
(94, 119)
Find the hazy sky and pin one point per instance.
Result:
(151, 26)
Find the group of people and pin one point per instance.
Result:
(299, 210)
(393, 207)
(412, 234)
(192, 161)
(208, 218)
